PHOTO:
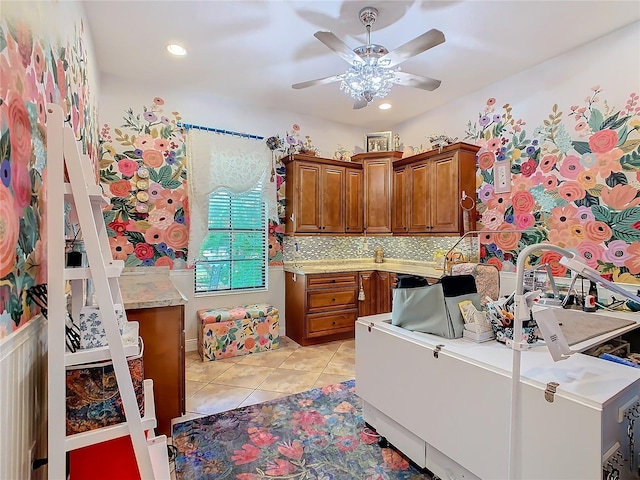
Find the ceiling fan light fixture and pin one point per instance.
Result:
(384, 106)
(368, 80)
(177, 50)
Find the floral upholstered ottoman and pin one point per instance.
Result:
(230, 331)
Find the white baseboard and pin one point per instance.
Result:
(191, 345)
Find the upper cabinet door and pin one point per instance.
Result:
(419, 215)
(308, 198)
(445, 209)
(333, 199)
(354, 204)
(377, 195)
(400, 201)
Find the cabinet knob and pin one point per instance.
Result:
(334, 323)
(333, 299)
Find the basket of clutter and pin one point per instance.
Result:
(501, 317)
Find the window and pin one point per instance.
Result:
(234, 254)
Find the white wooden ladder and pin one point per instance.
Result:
(86, 199)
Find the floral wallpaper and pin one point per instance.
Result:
(574, 182)
(143, 172)
(35, 71)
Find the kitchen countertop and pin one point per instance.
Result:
(149, 287)
(393, 265)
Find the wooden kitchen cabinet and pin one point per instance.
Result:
(377, 167)
(320, 307)
(162, 331)
(354, 203)
(377, 289)
(319, 199)
(430, 186)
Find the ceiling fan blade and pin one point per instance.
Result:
(360, 104)
(319, 81)
(411, 80)
(413, 47)
(338, 46)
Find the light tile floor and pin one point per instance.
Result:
(221, 385)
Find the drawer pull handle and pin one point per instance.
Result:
(333, 281)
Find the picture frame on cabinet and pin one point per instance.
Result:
(502, 176)
(377, 142)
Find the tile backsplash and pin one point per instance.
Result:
(334, 247)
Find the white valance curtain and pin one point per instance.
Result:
(216, 162)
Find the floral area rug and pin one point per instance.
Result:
(319, 434)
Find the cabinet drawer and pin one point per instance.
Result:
(331, 280)
(327, 324)
(322, 300)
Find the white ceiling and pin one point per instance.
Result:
(253, 51)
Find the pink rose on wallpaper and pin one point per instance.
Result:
(591, 252)
(617, 253)
(177, 236)
(168, 262)
(571, 191)
(9, 230)
(603, 141)
(524, 220)
(144, 251)
(492, 219)
(547, 163)
(570, 167)
(633, 262)
(550, 182)
(127, 167)
(120, 247)
(537, 178)
(153, 158)
(19, 130)
(529, 167)
(553, 259)
(120, 188)
(118, 227)
(620, 197)
(38, 62)
(506, 240)
(495, 262)
(597, 231)
(523, 201)
(24, 39)
(160, 218)
(155, 191)
(486, 160)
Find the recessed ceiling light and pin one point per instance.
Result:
(384, 106)
(176, 50)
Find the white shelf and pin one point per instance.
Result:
(90, 437)
(94, 191)
(89, 355)
(159, 457)
(114, 270)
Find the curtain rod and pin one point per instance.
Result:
(187, 126)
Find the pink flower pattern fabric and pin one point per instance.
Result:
(230, 331)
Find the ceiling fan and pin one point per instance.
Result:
(373, 69)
